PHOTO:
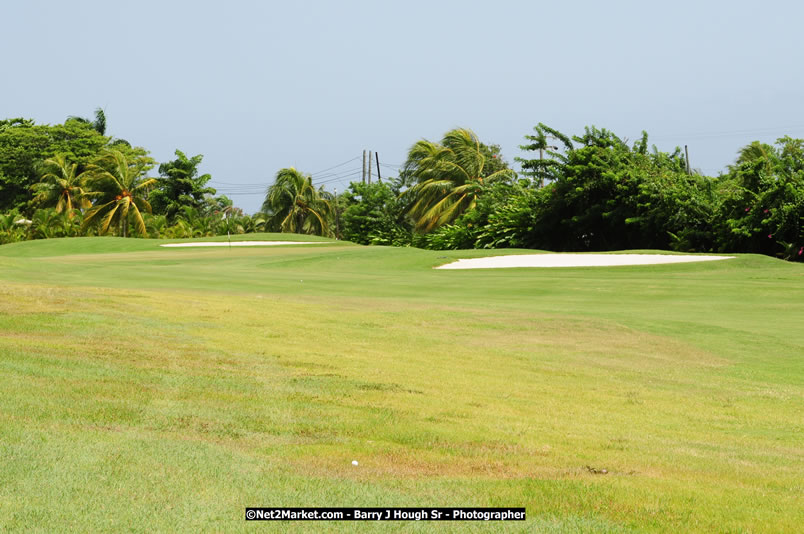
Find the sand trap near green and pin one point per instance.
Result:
(575, 260)
(242, 243)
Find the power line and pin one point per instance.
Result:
(336, 166)
(341, 178)
(245, 188)
(329, 175)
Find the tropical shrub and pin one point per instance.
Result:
(606, 195)
(762, 201)
(13, 227)
(374, 215)
(466, 231)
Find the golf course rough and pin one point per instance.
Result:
(166, 389)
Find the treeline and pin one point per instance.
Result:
(588, 192)
(72, 179)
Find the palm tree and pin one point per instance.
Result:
(251, 223)
(296, 206)
(122, 190)
(47, 223)
(449, 177)
(99, 124)
(201, 225)
(156, 224)
(61, 187)
(755, 151)
(179, 230)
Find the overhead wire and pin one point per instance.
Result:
(340, 179)
(336, 166)
(321, 177)
(333, 174)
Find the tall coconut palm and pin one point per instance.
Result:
(449, 177)
(296, 206)
(122, 190)
(61, 187)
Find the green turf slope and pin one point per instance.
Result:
(152, 389)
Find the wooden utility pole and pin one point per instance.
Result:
(364, 166)
(337, 217)
(369, 168)
(687, 155)
(377, 155)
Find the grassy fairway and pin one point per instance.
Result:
(148, 389)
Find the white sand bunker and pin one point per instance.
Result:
(242, 243)
(575, 260)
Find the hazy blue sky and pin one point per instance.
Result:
(256, 86)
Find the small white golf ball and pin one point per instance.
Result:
(354, 462)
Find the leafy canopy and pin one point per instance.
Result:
(179, 186)
(25, 145)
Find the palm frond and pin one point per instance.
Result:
(139, 222)
(107, 219)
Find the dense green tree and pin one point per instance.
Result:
(179, 186)
(122, 190)
(292, 204)
(544, 141)
(373, 214)
(762, 200)
(219, 204)
(98, 123)
(606, 195)
(25, 145)
(448, 177)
